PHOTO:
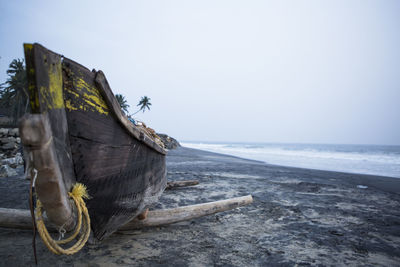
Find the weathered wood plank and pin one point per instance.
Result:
(31, 77)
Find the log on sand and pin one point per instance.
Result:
(168, 216)
(21, 219)
(175, 184)
(12, 218)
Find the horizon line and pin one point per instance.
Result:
(280, 142)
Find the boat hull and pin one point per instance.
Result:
(123, 169)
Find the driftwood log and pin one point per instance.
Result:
(175, 184)
(21, 219)
(168, 216)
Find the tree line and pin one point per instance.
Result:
(14, 95)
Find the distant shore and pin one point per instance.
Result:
(299, 216)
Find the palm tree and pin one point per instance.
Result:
(143, 103)
(122, 102)
(14, 92)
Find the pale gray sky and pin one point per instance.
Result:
(254, 71)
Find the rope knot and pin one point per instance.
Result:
(78, 193)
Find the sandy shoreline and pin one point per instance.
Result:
(299, 216)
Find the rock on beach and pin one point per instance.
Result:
(10, 152)
(169, 142)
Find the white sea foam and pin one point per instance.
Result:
(366, 159)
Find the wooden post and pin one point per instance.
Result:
(36, 135)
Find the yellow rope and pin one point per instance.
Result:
(78, 194)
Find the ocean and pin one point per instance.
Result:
(362, 159)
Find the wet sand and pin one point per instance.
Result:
(298, 217)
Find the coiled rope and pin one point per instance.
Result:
(78, 193)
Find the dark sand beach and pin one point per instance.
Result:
(299, 217)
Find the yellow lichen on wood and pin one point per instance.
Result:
(52, 96)
(69, 105)
(91, 99)
(28, 46)
(92, 96)
(55, 93)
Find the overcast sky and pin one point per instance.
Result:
(252, 71)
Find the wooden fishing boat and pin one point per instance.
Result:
(94, 144)
(76, 133)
